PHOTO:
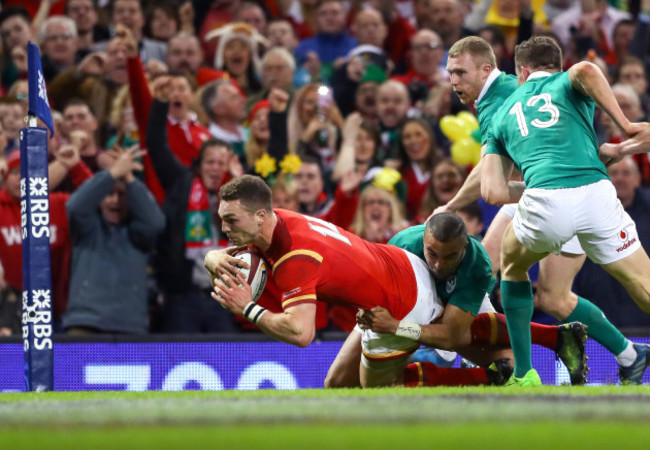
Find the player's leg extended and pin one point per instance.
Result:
(633, 272)
(517, 297)
(556, 274)
(344, 371)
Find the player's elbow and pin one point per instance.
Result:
(304, 339)
(583, 71)
(493, 193)
(303, 336)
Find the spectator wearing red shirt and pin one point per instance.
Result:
(425, 61)
(185, 133)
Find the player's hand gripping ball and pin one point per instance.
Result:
(256, 275)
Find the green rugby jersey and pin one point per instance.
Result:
(466, 287)
(499, 90)
(545, 128)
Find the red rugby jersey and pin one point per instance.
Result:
(313, 259)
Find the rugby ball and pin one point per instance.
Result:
(256, 275)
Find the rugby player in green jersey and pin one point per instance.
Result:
(545, 130)
(476, 80)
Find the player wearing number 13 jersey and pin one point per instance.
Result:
(314, 260)
(545, 129)
(565, 152)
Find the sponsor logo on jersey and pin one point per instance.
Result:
(624, 236)
(291, 293)
(626, 245)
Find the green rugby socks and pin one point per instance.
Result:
(517, 301)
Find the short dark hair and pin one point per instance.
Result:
(320, 3)
(253, 3)
(446, 226)
(111, 6)
(252, 192)
(539, 52)
(66, 7)
(473, 210)
(168, 7)
(211, 142)
(311, 157)
(12, 11)
(498, 35)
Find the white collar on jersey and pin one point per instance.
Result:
(539, 74)
(490, 79)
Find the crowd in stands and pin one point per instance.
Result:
(341, 106)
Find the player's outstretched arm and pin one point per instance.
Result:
(496, 188)
(587, 78)
(451, 333)
(295, 326)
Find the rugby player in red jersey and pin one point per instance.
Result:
(314, 260)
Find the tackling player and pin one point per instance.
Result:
(545, 129)
(475, 78)
(469, 325)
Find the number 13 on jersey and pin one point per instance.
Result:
(547, 107)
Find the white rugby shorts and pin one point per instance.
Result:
(385, 350)
(546, 219)
(572, 246)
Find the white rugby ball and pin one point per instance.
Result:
(256, 275)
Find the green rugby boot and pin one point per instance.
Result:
(571, 350)
(530, 379)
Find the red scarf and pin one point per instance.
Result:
(198, 222)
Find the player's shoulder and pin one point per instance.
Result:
(508, 82)
(408, 234)
(477, 257)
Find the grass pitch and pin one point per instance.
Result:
(548, 417)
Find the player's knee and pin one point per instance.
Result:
(546, 302)
(559, 304)
(331, 382)
(340, 379)
(511, 271)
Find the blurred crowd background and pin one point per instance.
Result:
(344, 107)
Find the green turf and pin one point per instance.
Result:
(543, 436)
(549, 417)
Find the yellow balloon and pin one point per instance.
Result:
(466, 151)
(468, 119)
(452, 128)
